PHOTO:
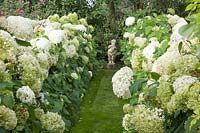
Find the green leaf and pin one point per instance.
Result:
(134, 101)
(190, 7)
(180, 45)
(153, 92)
(137, 85)
(58, 105)
(2, 130)
(8, 101)
(187, 30)
(155, 76)
(4, 85)
(197, 53)
(148, 30)
(22, 42)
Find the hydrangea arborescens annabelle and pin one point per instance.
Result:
(32, 74)
(56, 36)
(179, 99)
(186, 64)
(144, 120)
(21, 27)
(52, 122)
(136, 59)
(8, 47)
(74, 75)
(164, 91)
(70, 50)
(149, 50)
(26, 95)
(140, 41)
(8, 118)
(194, 97)
(130, 21)
(121, 81)
(41, 43)
(164, 65)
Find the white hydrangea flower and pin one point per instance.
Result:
(90, 72)
(42, 44)
(130, 21)
(126, 34)
(121, 82)
(165, 63)
(20, 27)
(80, 27)
(143, 119)
(56, 36)
(70, 50)
(140, 41)
(182, 81)
(151, 48)
(26, 95)
(74, 75)
(172, 19)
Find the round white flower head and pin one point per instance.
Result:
(8, 118)
(143, 120)
(52, 122)
(180, 97)
(43, 44)
(56, 36)
(126, 34)
(70, 50)
(80, 27)
(183, 81)
(130, 21)
(140, 41)
(172, 19)
(121, 82)
(26, 95)
(21, 27)
(74, 75)
(164, 65)
(150, 49)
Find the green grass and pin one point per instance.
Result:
(101, 110)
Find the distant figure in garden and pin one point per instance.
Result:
(112, 51)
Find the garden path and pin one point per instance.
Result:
(101, 110)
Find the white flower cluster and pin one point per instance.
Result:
(149, 50)
(144, 120)
(121, 81)
(21, 27)
(130, 21)
(26, 95)
(180, 97)
(164, 65)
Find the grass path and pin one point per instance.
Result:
(101, 110)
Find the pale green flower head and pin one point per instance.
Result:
(52, 122)
(73, 18)
(8, 118)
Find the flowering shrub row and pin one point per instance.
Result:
(163, 85)
(45, 69)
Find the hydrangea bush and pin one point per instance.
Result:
(45, 69)
(164, 87)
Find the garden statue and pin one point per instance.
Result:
(112, 51)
